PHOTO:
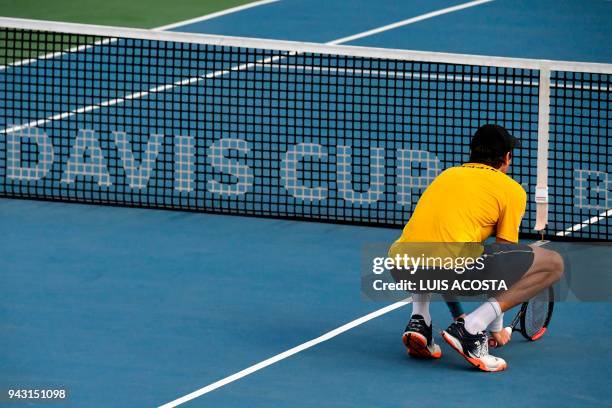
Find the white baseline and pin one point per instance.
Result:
(215, 15)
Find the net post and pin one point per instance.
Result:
(541, 195)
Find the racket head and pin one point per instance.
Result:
(535, 316)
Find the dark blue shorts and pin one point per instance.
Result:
(499, 261)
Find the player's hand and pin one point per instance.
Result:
(500, 338)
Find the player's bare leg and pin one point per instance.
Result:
(469, 337)
(547, 268)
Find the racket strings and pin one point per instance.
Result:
(535, 316)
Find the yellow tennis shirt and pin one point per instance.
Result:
(467, 204)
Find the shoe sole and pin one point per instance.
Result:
(416, 345)
(454, 343)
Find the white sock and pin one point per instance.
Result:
(420, 306)
(497, 324)
(482, 317)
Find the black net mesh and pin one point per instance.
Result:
(163, 124)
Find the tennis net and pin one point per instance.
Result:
(271, 128)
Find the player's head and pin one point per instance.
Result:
(492, 145)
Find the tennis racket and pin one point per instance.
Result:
(533, 318)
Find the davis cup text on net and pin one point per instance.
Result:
(86, 159)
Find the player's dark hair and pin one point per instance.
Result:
(491, 144)
(490, 159)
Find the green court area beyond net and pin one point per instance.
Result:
(135, 13)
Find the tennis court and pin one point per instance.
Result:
(282, 155)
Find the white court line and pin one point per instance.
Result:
(192, 80)
(585, 223)
(137, 95)
(56, 54)
(408, 21)
(215, 15)
(288, 353)
(80, 48)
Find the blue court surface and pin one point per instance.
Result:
(130, 307)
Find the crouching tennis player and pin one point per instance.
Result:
(468, 204)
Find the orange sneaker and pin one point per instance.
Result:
(473, 347)
(418, 339)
